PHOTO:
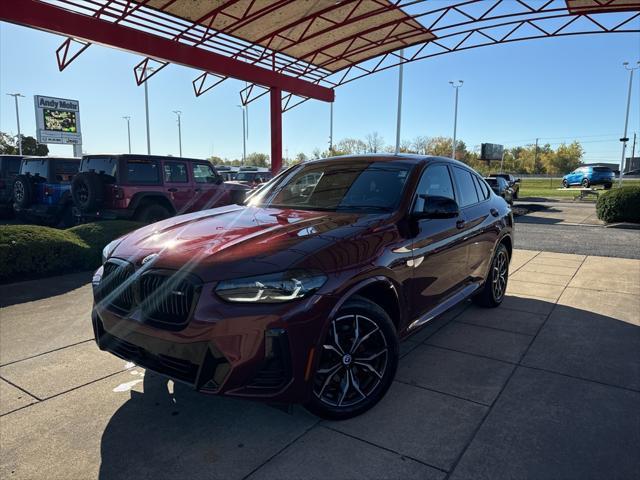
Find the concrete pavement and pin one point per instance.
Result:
(545, 386)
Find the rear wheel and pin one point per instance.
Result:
(152, 213)
(585, 183)
(23, 191)
(607, 186)
(495, 286)
(358, 361)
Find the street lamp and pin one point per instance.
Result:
(15, 97)
(399, 112)
(128, 131)
(178, 113)
(624, 138)
(244, 134)
(457, 86)
(147, 71)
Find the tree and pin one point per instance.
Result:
(351, 146)
(31, 147)
(566, 159)
(299, 158)
(7, 144)
(375, 142)
(216, 160)
(257, 159)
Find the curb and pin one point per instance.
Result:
(624, 225)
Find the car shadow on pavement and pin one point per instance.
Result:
(33, 290)
(550, 390)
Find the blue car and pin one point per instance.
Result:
(42, 190)
(589, 176)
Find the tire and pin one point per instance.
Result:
(565, 184)
(498, 277)
(607, 186)
(87, 190)
(23, 191)
(349, 381)
(585, 182)
(152, 213)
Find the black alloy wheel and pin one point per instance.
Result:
(358, 360)
(493, 291)
(565, 184)
(585, 183)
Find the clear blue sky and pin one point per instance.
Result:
(556, 89)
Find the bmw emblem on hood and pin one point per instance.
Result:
(149, 258)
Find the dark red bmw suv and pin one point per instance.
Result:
(302, 294)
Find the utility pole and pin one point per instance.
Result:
(15, 97)
(128, 119)
(244, 135)
(146, 72)
(399, 114)
(455, 117)
(535, 157)
(624, 138)
(178, 114)
(330, 128)
(633, 149)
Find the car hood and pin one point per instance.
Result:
(237, 241)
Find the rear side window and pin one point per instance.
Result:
(203, 173)
(436, 182)
(35, 168)
(601, 169)
(483, 188)
(175, 172)
(10, 166)
(467, 194)
(144, 172)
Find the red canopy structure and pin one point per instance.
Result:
(297, 50)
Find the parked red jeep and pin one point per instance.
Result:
(148, 188)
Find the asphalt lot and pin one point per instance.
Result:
(545, 386)
(572, 227)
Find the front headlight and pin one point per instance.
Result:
(109, 248)
(272, 288)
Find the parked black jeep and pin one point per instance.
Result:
(9, 168)
(42, 190)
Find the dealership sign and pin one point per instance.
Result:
(491, 151)
(57, 120)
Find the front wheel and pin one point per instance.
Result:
(152, 213)
(357, 363)
(565, 184)
(495, 286)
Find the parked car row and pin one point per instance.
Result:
(145, 188)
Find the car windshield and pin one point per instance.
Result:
(104, 165)
(246, 176)
(339, 186)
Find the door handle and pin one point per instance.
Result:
(460, 224)
(172, 190)
(494, 212)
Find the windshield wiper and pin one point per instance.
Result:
(379, 208)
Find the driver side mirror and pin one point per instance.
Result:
(438, 207)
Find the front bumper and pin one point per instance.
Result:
(253, 351)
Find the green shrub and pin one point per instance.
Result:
(33, 251)
(96, 235)
(28, 251)
(620, 205)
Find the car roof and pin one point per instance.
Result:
(149, 157)
(408, 158)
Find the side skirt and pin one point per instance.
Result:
(450, 302)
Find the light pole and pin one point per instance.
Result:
(399, 113)
(624, 138)
(178, 114)
(15, 97)
(244, 135)
(146, 72)
(331, 128)
(128, 119)
(457, 86)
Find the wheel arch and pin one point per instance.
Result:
(142, 199)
